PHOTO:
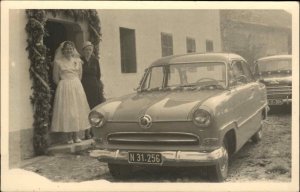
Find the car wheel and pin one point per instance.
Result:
(218, 172)
(257, 136)
(120, 171)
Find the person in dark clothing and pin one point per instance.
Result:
(91, 82)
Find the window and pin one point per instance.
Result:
(174, 77)
(59, 31)
(209, 46)
(128, 52)
(190, 45)
(154, 78)
(275, 65)
(240, 73)
(183, 74)
(204, 72)
(166, 44)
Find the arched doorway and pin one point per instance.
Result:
(59, 31)
(40, 55)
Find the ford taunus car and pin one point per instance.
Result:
(189, 110)
(276, 73)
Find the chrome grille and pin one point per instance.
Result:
(279, 90)
(150, 138)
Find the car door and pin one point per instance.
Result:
(244, 87)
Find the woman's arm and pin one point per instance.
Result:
(98, 75)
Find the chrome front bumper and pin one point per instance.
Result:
(284, 101)
(169, 158)
(287, 101)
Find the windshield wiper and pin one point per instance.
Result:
(215, 86)
(152, 89)
(181, 87)
(188, 85)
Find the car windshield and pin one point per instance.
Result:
(186, 75)
(275, 65)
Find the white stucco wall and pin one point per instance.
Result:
(148, 25)
(20, 109)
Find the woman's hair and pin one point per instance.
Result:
(66, 43)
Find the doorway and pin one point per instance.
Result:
(58, 31)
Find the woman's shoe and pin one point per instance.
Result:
(87, 134)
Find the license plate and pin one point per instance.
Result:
(146, 158)
(275, 101)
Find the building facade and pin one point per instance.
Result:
(256, 33)
(156, 33)
(131, 40)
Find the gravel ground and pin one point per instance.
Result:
(269, 160)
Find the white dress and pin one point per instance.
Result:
(71, 109)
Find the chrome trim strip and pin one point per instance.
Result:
(243, 122)
(224, 126)
(153, 141)
(238, 125)
(159, 121)
(278, 90)
(279, 93)
(278, 87)
(178, 133)
(197, 138)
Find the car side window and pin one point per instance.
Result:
(247, 71)
(174, 76)
(239, 73)
(156, 78)
(146, 82)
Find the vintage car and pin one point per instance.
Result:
(276, 73)
(189, 110)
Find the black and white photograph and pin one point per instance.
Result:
(149, 96)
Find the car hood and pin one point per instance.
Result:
(277, 80)
(161, 106)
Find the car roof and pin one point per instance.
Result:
(197, 57)
(275, 57)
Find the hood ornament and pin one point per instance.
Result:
(145, 121)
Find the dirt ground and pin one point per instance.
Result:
(269, 160)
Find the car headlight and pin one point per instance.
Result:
(202, 118)
(96, 119)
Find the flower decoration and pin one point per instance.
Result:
(40, 65)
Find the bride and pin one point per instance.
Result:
(70, 113)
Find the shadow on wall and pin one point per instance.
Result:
(20, 146)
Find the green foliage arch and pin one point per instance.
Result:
(40, 65)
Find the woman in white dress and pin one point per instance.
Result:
(71, 109)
